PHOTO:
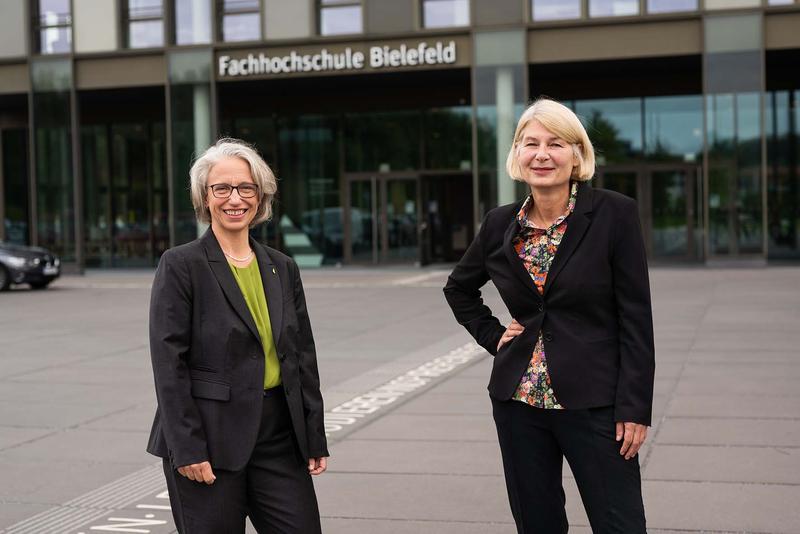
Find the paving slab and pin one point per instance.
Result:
(772, 465)
(735, 406)
(731, 432)
(725, 507)
(453, 428)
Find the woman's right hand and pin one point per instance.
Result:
(513, 330)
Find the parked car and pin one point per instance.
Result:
(34, 266)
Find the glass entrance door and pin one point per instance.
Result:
(672, 214)
(382, 219)
(668, 197)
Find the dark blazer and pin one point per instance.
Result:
(595, 312)
(208, 360)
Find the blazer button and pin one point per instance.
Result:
(541, 307)
(548, 336)
(282, 356)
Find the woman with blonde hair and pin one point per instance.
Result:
(239, 422)
(573, 372)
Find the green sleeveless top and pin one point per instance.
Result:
(249, 280)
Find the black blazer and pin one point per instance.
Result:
(208, 361)
(595, 312)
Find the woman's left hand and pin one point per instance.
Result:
(632, 436)
(317, 466)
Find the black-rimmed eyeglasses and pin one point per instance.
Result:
(226, 190)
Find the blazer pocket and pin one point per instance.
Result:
(210, 390)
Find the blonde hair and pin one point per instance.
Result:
(228, 147)
(561, 121)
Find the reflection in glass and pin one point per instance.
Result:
(311, 222)
(383, 141)
(674, 128)
(125, 194)
(54, 21)
(671, 6)
(362, 223)
(614, 126)
(241, 20)
(55, 206)
(670, 230)
(783, 174)
(448, 138)
(556, 9)
(340, 19)
(15, 184)
(623, 182)
(734, 148)
(241, 27)
(145, 23)
(613, 8)
(445, 13)
(145, 34)
(192, 22)
(401, 220)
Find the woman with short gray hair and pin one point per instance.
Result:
(239, 423)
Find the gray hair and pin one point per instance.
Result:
(228, 147)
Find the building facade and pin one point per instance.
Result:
(388, 122)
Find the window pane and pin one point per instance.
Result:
(614, 126)
(781, 2)
(144, 9)
(240, 6)
(338, 20)
(445, 13)
(670, 6)
(146, 34)
(192, 21)
(674, 128)
(556, 9)
(613, 8)
(55, 40)
(52, 12)
(241, 27)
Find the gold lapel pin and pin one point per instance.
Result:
(274, 271)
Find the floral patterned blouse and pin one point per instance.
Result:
(536, 247)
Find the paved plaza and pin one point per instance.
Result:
(76, 403)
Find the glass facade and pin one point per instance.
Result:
(613, 8)
(340, 17)
(14, 146)
(190, 116)
(145, 23)
(192, 22)
(733, 104)
(445, 13)
(240, 20)
(53, 32)
(125, 194)
(783, 174)
(555, 9)
(670, 6)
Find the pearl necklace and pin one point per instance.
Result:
(240, 259)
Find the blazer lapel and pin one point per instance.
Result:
(578, 223)
(517, 266)
(222, 271)
(272, 287)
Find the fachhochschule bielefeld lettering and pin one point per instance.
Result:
(379, 57)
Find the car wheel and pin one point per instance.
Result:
(39, 285)
(5, 279)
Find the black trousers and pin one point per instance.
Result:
(274, 489)
(534, 442)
